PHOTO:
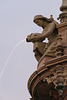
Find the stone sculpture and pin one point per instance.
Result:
(49, 81)
(41, 48)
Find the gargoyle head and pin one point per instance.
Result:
(30, 38)
(34, 37)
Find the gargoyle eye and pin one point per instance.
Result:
(36, 21)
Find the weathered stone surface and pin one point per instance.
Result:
(45, 78)
(49, 81)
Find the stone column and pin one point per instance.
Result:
(62, 30)
(63, 15)
(61, 71)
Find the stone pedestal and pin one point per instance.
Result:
(43, 83)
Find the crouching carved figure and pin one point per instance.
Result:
(41, 48)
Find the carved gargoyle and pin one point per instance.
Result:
(41, 48)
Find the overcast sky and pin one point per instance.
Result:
(16, 22)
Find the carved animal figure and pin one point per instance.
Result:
(49, 31)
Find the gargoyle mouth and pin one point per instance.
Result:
(29, 40)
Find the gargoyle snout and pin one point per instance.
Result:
(27, 40)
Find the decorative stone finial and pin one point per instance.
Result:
(64, 6)
(63, 15)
